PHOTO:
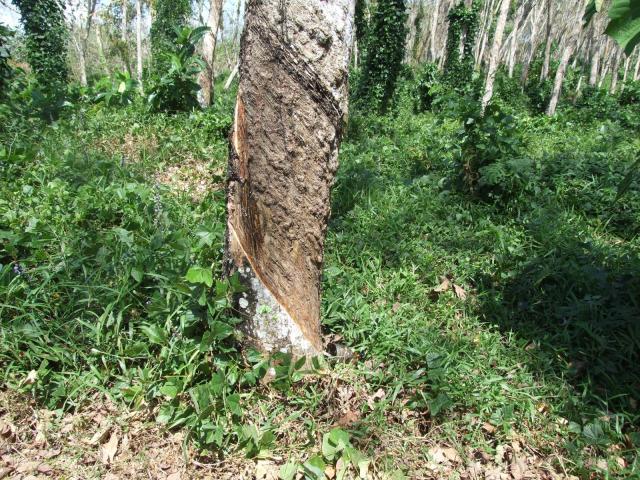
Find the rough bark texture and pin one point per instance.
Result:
(495, 53)
(557, 84)
(547, 48)
(291, 103)
(208, 53)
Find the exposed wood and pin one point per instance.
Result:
(139, 43)
(548, 42)
(292, 99)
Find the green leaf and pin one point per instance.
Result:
(288, 470)
(233, 404)
(628, 178)
(624, 26)
(155, 333)
(334, 442)
(314, 467)
(137, 274)
(200, 275)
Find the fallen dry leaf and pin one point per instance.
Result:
(396, 307)
(452, 455)
(174, 476)
(348, 419)
(267, 470)
(329, 472)
(99, 436)
(27, 467)
(44, 468)
(109, 449)
(444, 286)
(5, 471)
(459, 291)
(518, 468)
(52, 453)
(487, 427)
(379, 395)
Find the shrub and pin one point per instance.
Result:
(426, 86)
(178, 89)
(169, 16)
(491, 163)
(119, 91)
(630, 94)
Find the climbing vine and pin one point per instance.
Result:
(383, 56)
(5, 55)
(169, 16)
(46, 40)
(463, 29)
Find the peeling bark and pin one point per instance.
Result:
(292, 99)
(495, 53)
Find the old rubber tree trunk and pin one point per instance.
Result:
(207, 76)
(292, 100)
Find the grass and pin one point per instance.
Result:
(504, 328)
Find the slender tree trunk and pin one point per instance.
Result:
(139, 43)
(291, 104)
(103, 59)
(232, 75)
(82, 66)
(615, 72)
(533, 45)
(124, 37)
(578, 88)
(207, 76)
(636, 70)
(495, 53)
(557, 84)
(595, 63)
(548, 42)
(625, 75)
(433, 51)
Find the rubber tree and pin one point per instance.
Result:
(46, 40)
(494, 56)
(290, 109)
(207, 76)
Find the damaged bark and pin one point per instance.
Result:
(291, 104)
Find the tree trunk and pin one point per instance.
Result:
(615, 72)
(82, 65)
(495, 53)
(207, 76)
(547, 48)
(292, 100)
(636, 70)
(557, 84)
(432, 32)
(595, 64)
(139, 43)
(533, 45)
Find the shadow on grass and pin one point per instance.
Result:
(578, 304)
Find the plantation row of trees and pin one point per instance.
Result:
(88, 40)
(540, 42)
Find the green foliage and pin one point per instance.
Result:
(491, 159)
(425, 87)
(6, 72)
(44, 25)
(630, 94)
(170, 16)
(177, 90)
(463, 27)
(383, 53)
(624, 26)
(119, 91)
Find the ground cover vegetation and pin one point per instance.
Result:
(481, 280)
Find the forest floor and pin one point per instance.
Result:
(495, 335)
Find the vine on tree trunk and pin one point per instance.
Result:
(463, 29)
(46, 33)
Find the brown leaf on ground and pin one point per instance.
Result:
(379, 395)
(444, 286)
(109, 449)
(44, 468)
(5, 471)
(349, 418)
(518, 468)
(267, 470)
(460, 292)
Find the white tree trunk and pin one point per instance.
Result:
(547, 48)
(292, 100)
(495, 53)
(432, 32)
(636, 70)
(139, 43)
(595, 64)
(557, 84)
(207, 76)
(615, 72)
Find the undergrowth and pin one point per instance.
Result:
(479, 316)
